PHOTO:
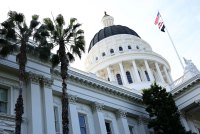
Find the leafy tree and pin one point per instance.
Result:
(163, 112)
(16, 35)
(71, 42)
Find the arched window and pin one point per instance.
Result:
(128, 75)
(96, 58)
(119, 79)
(108, 79)
(137, 47)
(111, 51)
(120, 48)
(103, 54)
(129, 47)
(147, 75)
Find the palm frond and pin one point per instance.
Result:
(19, 17)
(72, 20)
(10, 34)
(35, 17)
(76, 26)
(6, 48)
(60, 20)
(70, 57)
(12, 14)
(48, 22)
(80, 44)
(55, 60)
(75, 50)
(79, 32)
(34, 24)
(8, 24)
(44, 53)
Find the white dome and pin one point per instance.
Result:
(127, 60)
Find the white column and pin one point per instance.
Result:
(148, 70)
(192, 126)
(159, 72)
(122, 122)
(184, 122)
(170, 77)
(141, 126)
(99, 118)
(123, 74)
(48, 107)
(73, 115)
(34, 106)
(136, 71)
(110, 75)
(167, 75)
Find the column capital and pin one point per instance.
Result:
(47, 81)
(72, 99)
(96, 106)
(34, 77)
(121, 113)
(37, 78)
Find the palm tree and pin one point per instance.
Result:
(71, 42)
(16, 37)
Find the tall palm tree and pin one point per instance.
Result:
(16, 37)
(71, 42)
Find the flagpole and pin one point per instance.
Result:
(172, 43)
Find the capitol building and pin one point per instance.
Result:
(106, 98)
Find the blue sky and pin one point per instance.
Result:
(181, 17)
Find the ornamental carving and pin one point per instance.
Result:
(47, 81)
(72, 99)
(121, 113)
(98, 106)
(37, 78)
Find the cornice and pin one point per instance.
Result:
(103, 86)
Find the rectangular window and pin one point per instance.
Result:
(56, 118)
(82, 122)
(131, 129)
(3, 100)
(108, 127)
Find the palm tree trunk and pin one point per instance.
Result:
(65, 102)
(19, 108)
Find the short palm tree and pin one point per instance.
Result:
(16, 38)
(71, 42)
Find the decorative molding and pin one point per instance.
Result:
(82, 109)
(37, 78)
(47, 81)
(6, 82)
(121, 113)
(72, 99)
(97, 106)
(104, 86)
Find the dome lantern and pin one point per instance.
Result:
(107, 20)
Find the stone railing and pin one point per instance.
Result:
(188, 75)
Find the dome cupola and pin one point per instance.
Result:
(118, 54)
(107, 20)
